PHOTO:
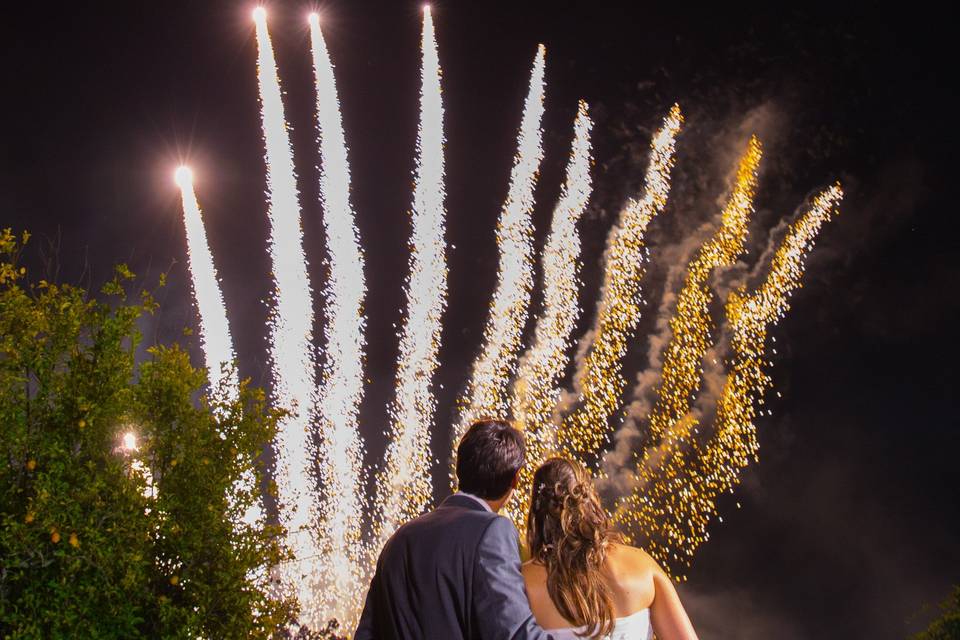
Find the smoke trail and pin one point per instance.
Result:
(683, 477)
(338, 397)
(486, 390)
(291, 351)
(601, 383)
(535, 390)
(404, 489)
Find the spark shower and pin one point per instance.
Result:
(334, 529)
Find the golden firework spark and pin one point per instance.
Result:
(681, 479)
(404, 488)
(338, 397)
(486, 395)
(691, 325)
(584, 432)
(535, 392)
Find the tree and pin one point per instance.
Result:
(947, 626)
(110, 535)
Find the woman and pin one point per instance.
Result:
(580, 580)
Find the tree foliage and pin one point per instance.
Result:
(99, 540)
(947, 626)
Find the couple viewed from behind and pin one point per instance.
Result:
(455, 573)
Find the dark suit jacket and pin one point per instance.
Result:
(451, 574)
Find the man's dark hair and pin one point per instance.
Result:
(488, 458)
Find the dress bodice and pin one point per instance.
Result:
(636, 626)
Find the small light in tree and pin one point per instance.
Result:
(130, 441)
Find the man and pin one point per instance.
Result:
(454, 573)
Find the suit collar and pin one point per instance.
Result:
(460, 500)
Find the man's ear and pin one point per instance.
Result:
(516, 480)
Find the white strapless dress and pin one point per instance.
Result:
(636, 626)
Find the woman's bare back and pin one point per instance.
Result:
(636, 582)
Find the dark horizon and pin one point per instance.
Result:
(848, 525)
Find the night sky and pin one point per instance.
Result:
(849, 526)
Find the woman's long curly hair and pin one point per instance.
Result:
(569, 533)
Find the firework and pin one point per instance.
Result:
(215, 340)
(338, 396)
(683, 477)
(691, 325)
(404, 488)
(321, 497)
(601, 382)
(535, 392)
(291, 319)
(486, 395)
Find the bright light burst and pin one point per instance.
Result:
(584, 432)
(682, 479)
(338, 397)
(291, 320)
(486, 391)
(404, 488)
(535, 392)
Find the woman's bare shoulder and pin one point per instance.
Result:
(544, 611)
(531, 565)
(534, 572)
(632, 558)
(632, 571)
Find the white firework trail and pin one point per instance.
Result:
(338, 396)
(291, 320)
(535, 392)
(486, 391)
(404, 489)
(215, 340)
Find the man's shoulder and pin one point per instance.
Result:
(498, 533)
(448, 520)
